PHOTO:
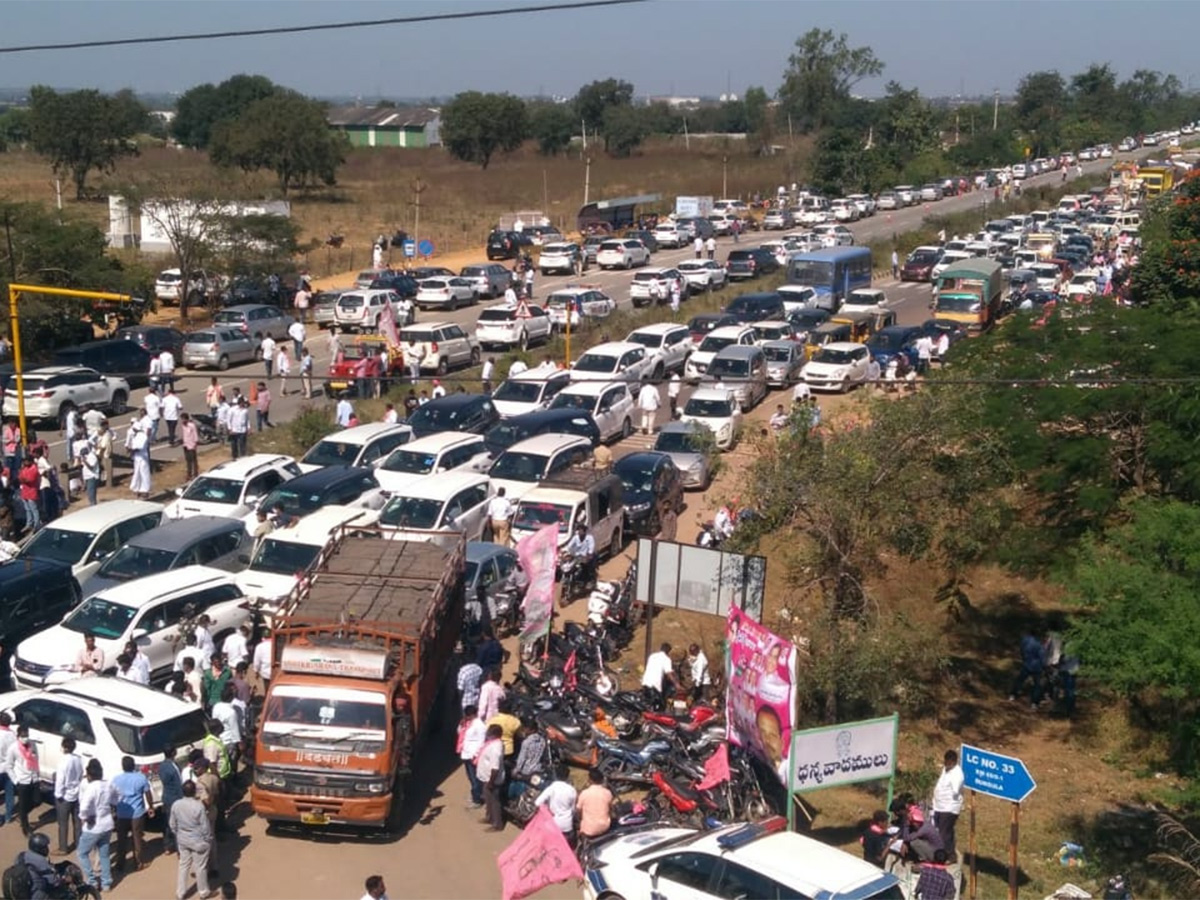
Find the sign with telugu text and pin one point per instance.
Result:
(844, 754)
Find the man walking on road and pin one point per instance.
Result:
(711, 246)
(673, 388)
(153, 406)
(297, 334)
(190, 437)
(193, 837)
(500, 511)
(239, 427)
(490, 772)
(895, 264)
(698, 245)
(648, 402)
(172, 408)
(306, 367)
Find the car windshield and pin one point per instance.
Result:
(410, 461)
(636, 479)
(521, 466)
(59, 545)
(100, 617)
(596, 362)
(713, 344)
(533, 516)
(294, 502)
(653, 341)
(888, 340)
(676, 442)
(923, 258)
(283, 557)
(771, 334)
(229, 318)
(833, 357)
(519, 392)
(777, 354)
(431, 417)
(201, 337)
(573, 401)
(708, 409)
(498, 315)
(332, 453)
(738, 368)
(170, 277)
(310, 715)
(206, 489)
(411, 512)
(811, 272)
(136, 562)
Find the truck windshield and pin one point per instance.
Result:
(962, 303)
(318, 712)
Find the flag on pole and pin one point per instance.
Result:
(387, 326)
(716, 769)
(538, 553)
(539, 856)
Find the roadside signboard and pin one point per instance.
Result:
(425, 248)
(410, 249)
(996, 775)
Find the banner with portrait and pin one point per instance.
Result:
(760, 692)
(538, 553)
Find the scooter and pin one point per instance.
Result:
(709, 538)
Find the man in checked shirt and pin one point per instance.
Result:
(468, 683)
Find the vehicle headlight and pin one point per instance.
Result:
(266, 779)
(374, 786)
(639, 507)
(696, 467)
(725, 431)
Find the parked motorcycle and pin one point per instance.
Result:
(504, 604)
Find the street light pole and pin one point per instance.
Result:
(724, 176)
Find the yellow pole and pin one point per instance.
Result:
(14, 291)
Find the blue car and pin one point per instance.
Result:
(893, 340)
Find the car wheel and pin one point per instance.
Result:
(223, 363)
(845, 386)
(120, 403)
(442, 367)
(658, 372)
(475, 356)
(626, 428)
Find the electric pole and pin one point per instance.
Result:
(724, 176)
(587, 179)
(418, 189)
(995, 108)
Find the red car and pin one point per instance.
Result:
(920, 263)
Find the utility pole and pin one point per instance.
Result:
(418, 189)
(724, 176)
(687, 141)
(995, 107)
(545, 193)
(583, 123)
(587, 179)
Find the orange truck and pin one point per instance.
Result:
(362, 658)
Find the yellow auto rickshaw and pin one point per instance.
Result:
(826, 333)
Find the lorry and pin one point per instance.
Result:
(362, 652)
(693, 207)
(969, 292)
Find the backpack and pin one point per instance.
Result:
(17, 881)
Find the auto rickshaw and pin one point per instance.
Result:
(826, 333)
(864, 323)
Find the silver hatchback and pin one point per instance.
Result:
(217, 348)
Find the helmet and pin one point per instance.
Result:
(39, 844)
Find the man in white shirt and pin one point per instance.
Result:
(924, 353)
(711, 246)
(343, 413)
(236, 647)
(948, 801)
(155, 373)
(231, 722)
(485, 374)
(648, 402)
(95, 810)
(438, 390)
(390, 416)
(801, 392)
(239, 427)
(698, 669)
(297, 334)
(153, 404)
(172, 407)
(192, 651)
(500, 511)
(518, 366)
(510, 296)
(559, 797)
(261, 660)
(204, 638)
(166, 368)
(267, 348)
(67, 780)
(376, 889)
(659, 673)
(698, 245)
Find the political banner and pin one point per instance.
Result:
(760, 696)
(844, 754)
(539, 856)
(538, 553)
(387, 326)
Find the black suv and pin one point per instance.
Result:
(474, 413)
(750, 263)
(504, 434)
(247, 289)
(34, 594)
(757, 308)
(327, 486)
(404, 284)
(155, 339)
(507, 244)
(653, 488)
(127, 359)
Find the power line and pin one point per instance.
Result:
(330, 26)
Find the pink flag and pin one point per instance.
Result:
(387, 325)
(716, 769)
(538, 553)
(538, 857)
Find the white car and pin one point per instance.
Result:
(668, 234)
(452, 501)
(832, 235)
(717, 410)
(864, 300)
(611, 405)
(614, 361)
(864, 202)
(83, 539)
(1106, 152)
(949, 257)
(360, 310)
(814, 211)
(446, 293)
(735, 861)
(703, 274)
(649, 281)
(109, 718)
(522, 466)
(837, 366)
(1020, 172)
(622, 253)
(529, 391)
(773, 330)
(52, 392)
(147, 610)
(513, 326)
(668, 344)
(722, 223)
(232, 487)
(559, 258)
(889, 200)
(907, 194)
(434, 454)
(362, 445)
(796, 297)
(844, 210)
(714, 342)
(578, 306)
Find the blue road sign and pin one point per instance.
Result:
(425, 247)
(999, 776)
(410, 249)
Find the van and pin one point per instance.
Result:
(743, 370)
(34, 594)
(85, 538)
(578, 494)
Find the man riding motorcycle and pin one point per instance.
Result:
(581, 548)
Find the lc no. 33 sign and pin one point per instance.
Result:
(996, 775)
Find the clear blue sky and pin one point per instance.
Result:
(685, 47)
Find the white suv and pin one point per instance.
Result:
(434, 454)
(50, 393)
(714, 342)
(147, 610)
(613, 361)
(83, 539)
(232, 488)
(513, 326)
(361, 310)
(667, 344)
(611, 405)
(109, 718)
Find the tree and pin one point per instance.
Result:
(475, 126)
(200, 109)
(1168, 272)
(82, 131)
(551, 125)
(594, 99)
(760, 123)
(624, 129)
(1041, 105)
(820, 74)
(1094, 92)
(908, 125)
(284, 133)
(14, 128)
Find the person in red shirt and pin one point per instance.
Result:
(263, 406)
(30, 479)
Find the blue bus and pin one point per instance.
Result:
(832, 273)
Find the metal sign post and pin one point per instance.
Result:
(1003, 777)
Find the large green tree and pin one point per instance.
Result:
(1168, 272)
(1041, 105)
(201, 108)
(624, 129)
(477, 126)
(284, 133)
(820, 75)
(83, 131)
(594, 99)
(551, 125)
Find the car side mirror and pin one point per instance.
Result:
(139, 634)
(653, 873)
(252, 499)
(178, 492)
(244, 559)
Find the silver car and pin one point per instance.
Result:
(682, 441)
(785, 359)
(256, 320)
(324, 307)
(218, 348)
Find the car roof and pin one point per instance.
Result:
(142, 591)
(30, 567)
(422, 326)
(804, 863)
(641, 459)
(440, 440)
(480, 551)
(316, 527)
(842, 345)
(541, 416)
(781, 345)
(246, 307)
(51, 371)
(711, 393)
(735, 351)
(614, 348)
(455, 400)
(441, 485)
(659, 328)
(324, 476)
(729, 331)
(144, 703)
(677, 427)
(590, 388)
(242, 468)
(92, 519)
(361, 434)
(547, 443)
(180, 532)
(537, 373)
(772, 323)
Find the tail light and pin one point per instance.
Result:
(215, 348)
(433, 346)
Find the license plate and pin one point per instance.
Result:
(314, 818)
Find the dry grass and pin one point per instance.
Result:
(460, 202)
